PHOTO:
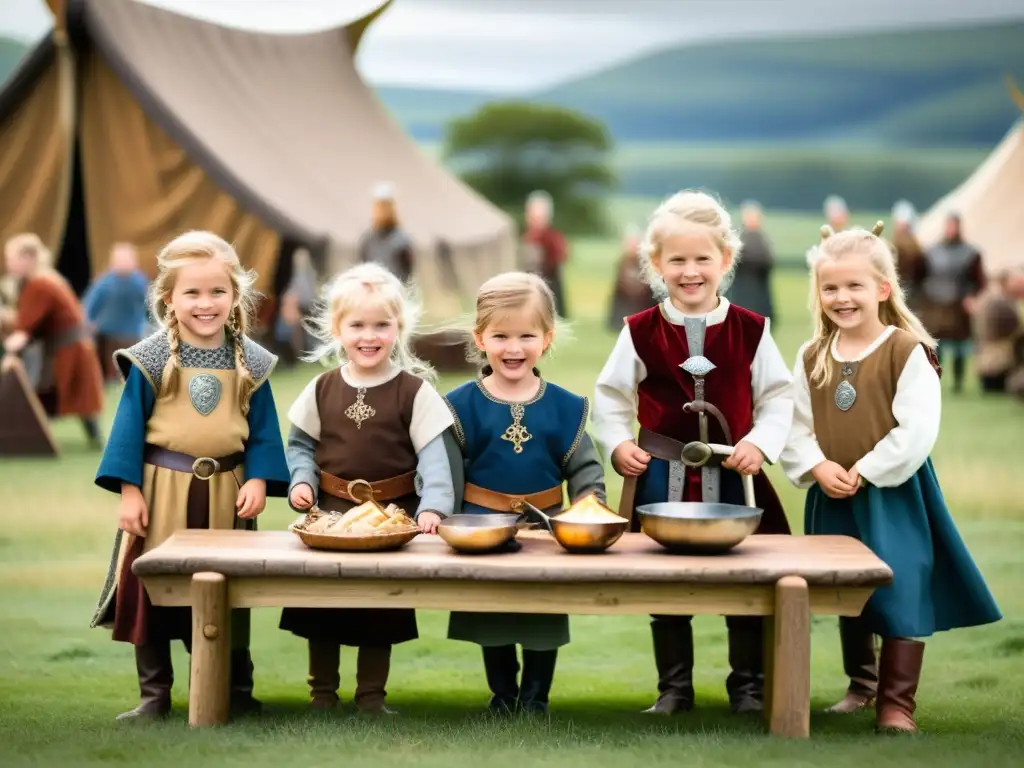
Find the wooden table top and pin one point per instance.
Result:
(822, 560)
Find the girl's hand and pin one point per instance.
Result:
(746, 458)
(629, 460)
(834, 480)
(855, 478)
(252, 498)
(301, 496)
(16, 342)
(132, 515)
(428, 521)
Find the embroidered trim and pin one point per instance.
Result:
(460, 435)
(531, 401)
(360, 411)
(516, 433)
(579, 432)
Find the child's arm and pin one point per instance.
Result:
(301, 458)
(264, 450)
(584, 472)
(615, 395)
(801, 453)
(431, 418)
(917, 408)
(122, 455)
(770, 382)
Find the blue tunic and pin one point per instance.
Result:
(936, 584)
(557, 449)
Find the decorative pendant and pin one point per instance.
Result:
(359, 411)
(516, 432)
(204, 392)
(845, 394)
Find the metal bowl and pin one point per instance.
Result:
(478, 533)
(698, 527)
(587, 538)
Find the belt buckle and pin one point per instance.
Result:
(353, 484)
(204, 467)
(516, 503)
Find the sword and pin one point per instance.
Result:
(699, 366)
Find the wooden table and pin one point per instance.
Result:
(783, 578)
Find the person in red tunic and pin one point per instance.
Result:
(696, 368)
(546, 246)
(49, 310)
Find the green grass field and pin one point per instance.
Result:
(61, 683)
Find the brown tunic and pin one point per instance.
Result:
(846, 437)
(367, 440)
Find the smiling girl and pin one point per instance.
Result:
(521, 438)
(376, 418)
(695, 348)
(867, 413)
(195, 444)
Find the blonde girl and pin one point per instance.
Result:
(376, 418)
(867, 413)
(695, 367)
(521, 437)
(195, 444)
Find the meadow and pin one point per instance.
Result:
(61, 684)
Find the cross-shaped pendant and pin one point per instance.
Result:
(359, 411)
(516, 432)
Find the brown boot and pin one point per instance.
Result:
(324, 678)
(859, 663)
(899, 673)
(156, 677)
(372, 667)
(673, 657)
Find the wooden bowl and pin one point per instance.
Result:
(381, 542)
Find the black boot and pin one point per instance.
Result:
(673, 656)
(92, 432)
(156, 677)
(745, 683)
(860, 664)
(959, 368)
(538, 674)
(502, 668)
(242, 700)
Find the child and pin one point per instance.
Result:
(521, 437)
(867, 410)
(695, 351)
(377, 421)
(195, 444)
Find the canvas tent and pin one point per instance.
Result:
(134, 123)
(990, 203)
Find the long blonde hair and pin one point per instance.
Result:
(186, 249)
(892, 311)
(30, 243)
(690, 206)
(363, 284)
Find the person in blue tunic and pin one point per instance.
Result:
(521, 437)
(115, 306)
(867, 406)
(195, 443)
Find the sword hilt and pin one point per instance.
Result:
(701, 407)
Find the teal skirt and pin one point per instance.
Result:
(936, 584)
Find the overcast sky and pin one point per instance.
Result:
(510, 45)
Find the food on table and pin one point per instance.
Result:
(368, 519)
(589, 510)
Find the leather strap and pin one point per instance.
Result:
(382, 490)
(202, 467)
(659, 446)
(507, 502)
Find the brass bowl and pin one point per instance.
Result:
(698, 527)
(478, 533)
(587, 538)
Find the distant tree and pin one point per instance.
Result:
(505, 150)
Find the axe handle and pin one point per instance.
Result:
(628, 497)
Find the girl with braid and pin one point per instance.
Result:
(195, 444)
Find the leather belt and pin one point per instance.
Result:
(506, 502)
(380, 490)
(202, 467)
(665, 448)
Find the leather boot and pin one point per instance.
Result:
(324, 678)
(745, 683)
(502, 668)
(242, 700)
(372, 667)
(538, 675)
(673, 657)
(899, 674)
(859, 663)
(156, 677)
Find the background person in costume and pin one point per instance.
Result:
(547, 248)
(630, 294)
(195, 444)
(751, 285)
(71, 382)
(909, 253)
(386, 243)
(695, 347)
(867, 412)
(115, 305)
(521, 437)
(376, 418)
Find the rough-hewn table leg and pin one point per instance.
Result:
(791, 670)
(211, 650)
(769, 666)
